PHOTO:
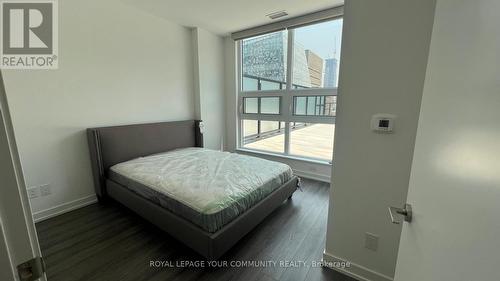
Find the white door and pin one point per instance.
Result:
(455, 180)
(18, 240)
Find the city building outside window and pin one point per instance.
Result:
(288, 90)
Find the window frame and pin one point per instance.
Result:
(286, 96)
(259, 107)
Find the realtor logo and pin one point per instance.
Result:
(29, 34)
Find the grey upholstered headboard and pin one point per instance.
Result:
(112, 145)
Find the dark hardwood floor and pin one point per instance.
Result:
(109, 242)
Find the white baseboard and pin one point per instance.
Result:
(64, 208)
(355, 271)
(313, 176)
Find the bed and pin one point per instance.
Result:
(204, 198)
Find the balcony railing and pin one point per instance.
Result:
(270, 133)
(266, 84)
(310, 106)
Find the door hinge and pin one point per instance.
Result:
(31, 270)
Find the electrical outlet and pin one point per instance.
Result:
(371, 241)
(33, 192)
(45, 190)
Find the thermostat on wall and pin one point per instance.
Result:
(383, 123)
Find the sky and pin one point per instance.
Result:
(322, 38)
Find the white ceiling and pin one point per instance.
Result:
(225, 16)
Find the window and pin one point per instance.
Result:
(264, 135)
(288, 90)
(315, 105)
(264, 62)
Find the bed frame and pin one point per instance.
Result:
(112, 145)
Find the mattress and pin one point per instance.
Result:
(206, 187)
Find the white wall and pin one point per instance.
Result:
(455, 178)
(117, 65)
(208, 54)
(384, 54)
